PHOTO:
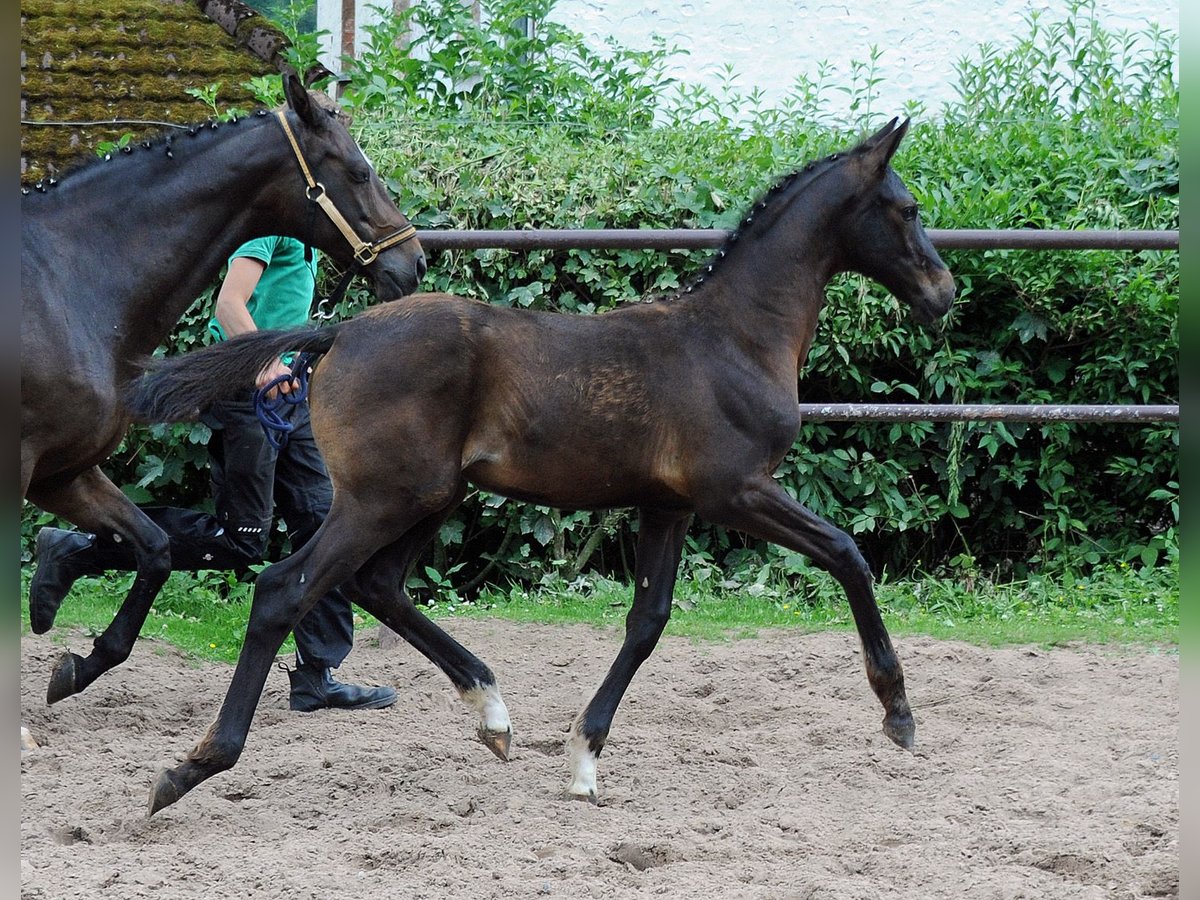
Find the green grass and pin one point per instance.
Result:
(205, 615)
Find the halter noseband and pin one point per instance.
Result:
(364, 253)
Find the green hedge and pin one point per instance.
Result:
(1073, 128)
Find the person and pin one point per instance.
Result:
(269, 283)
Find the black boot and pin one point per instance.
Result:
(313, 688)
(62, 557)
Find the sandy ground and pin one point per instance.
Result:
(755, 769)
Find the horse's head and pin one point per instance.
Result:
(882, 236)
(354, 190)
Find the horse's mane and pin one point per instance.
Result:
(769, 204)
(167, 139)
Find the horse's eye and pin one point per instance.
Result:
(360, 176)
(909, 213)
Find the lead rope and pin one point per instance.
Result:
(275, 426)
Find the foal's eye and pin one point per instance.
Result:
(909, 213)
(360, 176)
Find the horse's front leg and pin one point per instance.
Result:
(763, 509)
(659, 547)
(96, 505)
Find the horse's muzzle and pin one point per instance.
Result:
(935, 301)
(398, 273)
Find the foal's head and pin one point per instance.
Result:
(351, 182)
(880, 231)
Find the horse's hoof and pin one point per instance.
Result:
(164, 793)
(901, 729)
(62, 678)
(588, 796)
(499, 742)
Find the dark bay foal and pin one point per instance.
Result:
(678, 408)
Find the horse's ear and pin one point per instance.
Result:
(298, 99)
(881, 146)
(881, 133)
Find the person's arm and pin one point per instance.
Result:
(234, 316)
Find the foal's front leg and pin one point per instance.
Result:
(660, 545)
(763, 509)
(283, 593)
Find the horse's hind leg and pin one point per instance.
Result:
(660, 544)
(765, 510)
(379, 589)
(283, 593)
(96, 505)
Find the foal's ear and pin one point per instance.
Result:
(299, 100)
(881, 146)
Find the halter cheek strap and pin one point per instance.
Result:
(364, 253)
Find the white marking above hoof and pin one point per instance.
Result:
(495, 728)
(583, 768)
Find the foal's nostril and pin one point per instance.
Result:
(422, 268)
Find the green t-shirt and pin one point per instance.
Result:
(284, 294)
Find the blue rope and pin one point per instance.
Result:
(276, 427)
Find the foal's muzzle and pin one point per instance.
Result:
(936, 297)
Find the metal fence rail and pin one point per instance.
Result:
(956, 239)
(702, 238)
(984, 412)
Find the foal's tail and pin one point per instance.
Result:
(179, 388)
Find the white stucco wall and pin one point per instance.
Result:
(770, 43)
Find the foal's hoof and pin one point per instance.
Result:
(164, 793)
(62, 678)
(499, 742)
(901, 729)
(586, 797)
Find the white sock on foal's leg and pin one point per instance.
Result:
(583, 766)
(495, 728)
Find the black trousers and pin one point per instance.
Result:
(251, 483)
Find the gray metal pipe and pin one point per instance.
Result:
(701, 238)
(984, 412)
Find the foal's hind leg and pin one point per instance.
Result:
(379, 589)
(96, 505)
(660, 544)
(765, 510)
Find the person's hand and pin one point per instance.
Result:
(269, 373)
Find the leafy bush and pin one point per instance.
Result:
(1075, 127)
(433, 59)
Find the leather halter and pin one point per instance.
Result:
(364, 253)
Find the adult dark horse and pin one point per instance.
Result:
(110, 259)
(677, 408)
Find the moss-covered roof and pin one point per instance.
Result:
(96, 61)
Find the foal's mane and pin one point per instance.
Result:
(763, 212)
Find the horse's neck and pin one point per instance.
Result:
(768, 292)
(151, 238)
